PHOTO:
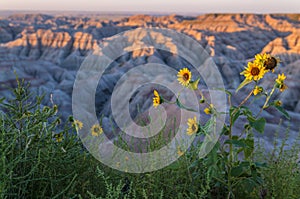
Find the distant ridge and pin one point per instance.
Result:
(48, 48)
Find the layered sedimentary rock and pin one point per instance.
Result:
(48, 50)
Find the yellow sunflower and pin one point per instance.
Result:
(261, 58)
(184, 76)
(257, 90)
(209, 110)
(96, 130)
(78, 124)
(179, 151)
(193, 126)
(254, 71)
(280, 79)
(280, 82)
(156, 99)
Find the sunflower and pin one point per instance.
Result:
(254, 71)
(257, 90)
(184, 76)
(280, 82)
(278, 103)
(280, 79)
(78, 124)
(179, 151)
(156, 99)
(261, 58)
(209, 110)
(193, 126)
(271, 63)
(96, 130)
(283, 87)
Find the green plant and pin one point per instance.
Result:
(282, 175)
(39, 158)
(230, 163)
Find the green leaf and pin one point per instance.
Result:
(250, 147)
(212, 162)
(240, 170)
(247, 112)
(238, 143)
(174, 166)
(193, 85)
(235, 137)
(244, 83)
(281, 110)
(184, 107)
(261, 164)
(258, 124)
(207, 127)
(249, 185)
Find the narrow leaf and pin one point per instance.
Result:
(284, 112)
(244, 83)
(194, 84)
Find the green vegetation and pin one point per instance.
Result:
(232, 166)
(37, 160)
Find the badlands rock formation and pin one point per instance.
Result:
(48, 51)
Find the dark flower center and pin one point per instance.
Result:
(194, 127)
(157, 100)
(255, 71)
(186, 76)
(270, 63)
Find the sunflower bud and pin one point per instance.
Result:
(202, 100)
(71, 119)
(278, 103)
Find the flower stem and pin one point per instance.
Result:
(267, 101)
(246, 99)
(231, 155)
(167, 101)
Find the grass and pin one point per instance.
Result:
(34, 163)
